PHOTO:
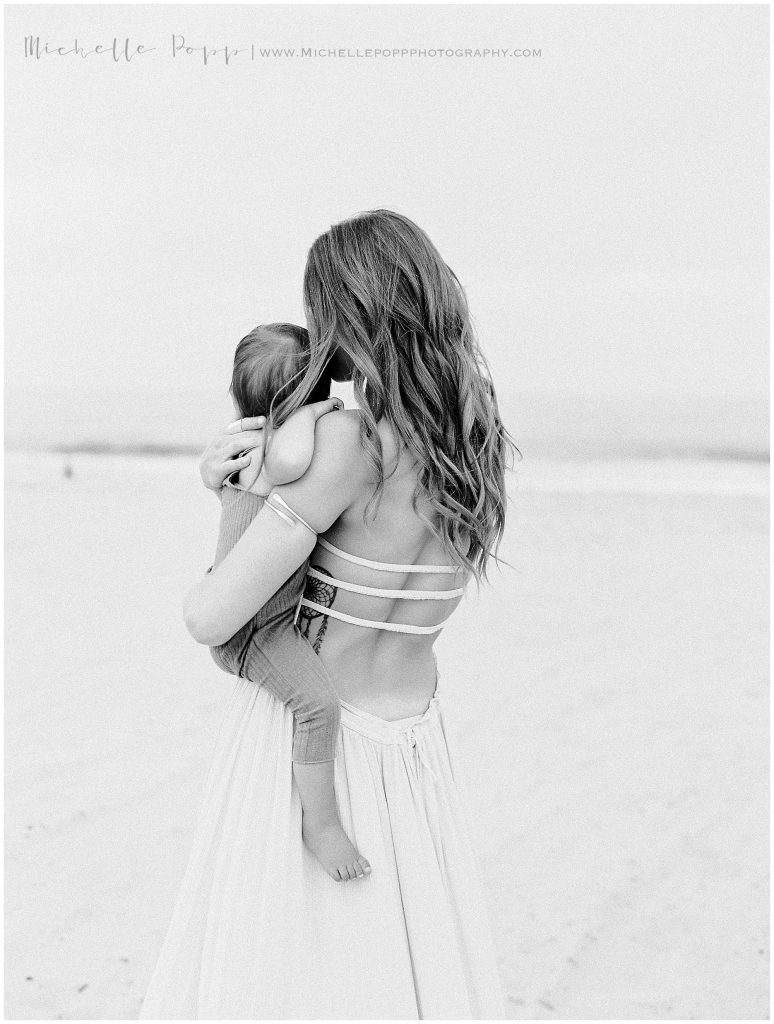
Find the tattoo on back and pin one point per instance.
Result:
(323, 594)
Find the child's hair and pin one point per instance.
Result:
(267, 363)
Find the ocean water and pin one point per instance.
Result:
(557, 424)
(600, 475)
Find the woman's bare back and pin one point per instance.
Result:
(387, 673)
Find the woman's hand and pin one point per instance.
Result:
(222, 456)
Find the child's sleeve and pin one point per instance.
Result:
(269, 650)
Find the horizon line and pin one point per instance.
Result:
(653, 452)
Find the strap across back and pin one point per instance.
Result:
(277, 504)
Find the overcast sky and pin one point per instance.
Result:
(604, 202)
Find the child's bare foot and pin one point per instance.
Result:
(329, 843)
(320, 824)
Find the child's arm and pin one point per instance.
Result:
(289, 450)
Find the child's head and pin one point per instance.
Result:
(267, 362)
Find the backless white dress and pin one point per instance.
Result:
(261, 931)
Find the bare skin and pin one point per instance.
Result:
(388, 674)
(321, 827)
(322, 831)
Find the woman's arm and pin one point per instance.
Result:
(270, 549)
(271, 652)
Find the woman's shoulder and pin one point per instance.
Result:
(339, 440)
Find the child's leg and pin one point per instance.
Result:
(321, 828)
(271, 652)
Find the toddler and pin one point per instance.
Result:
(270, 650)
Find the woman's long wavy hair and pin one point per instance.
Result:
(376, 288)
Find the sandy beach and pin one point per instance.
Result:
(607, 702)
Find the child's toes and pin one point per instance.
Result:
(344, 873)
(362, 866)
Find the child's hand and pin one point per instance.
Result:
(327, 405)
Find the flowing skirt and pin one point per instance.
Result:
(261, 931)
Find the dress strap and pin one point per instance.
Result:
(403, 595)
(385, 566)
(392, 627)
(278, 504)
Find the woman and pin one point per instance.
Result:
(404, 496)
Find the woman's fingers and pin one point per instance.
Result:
(246, 423)
(236, 443)
(219, 458)
(238, 463)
